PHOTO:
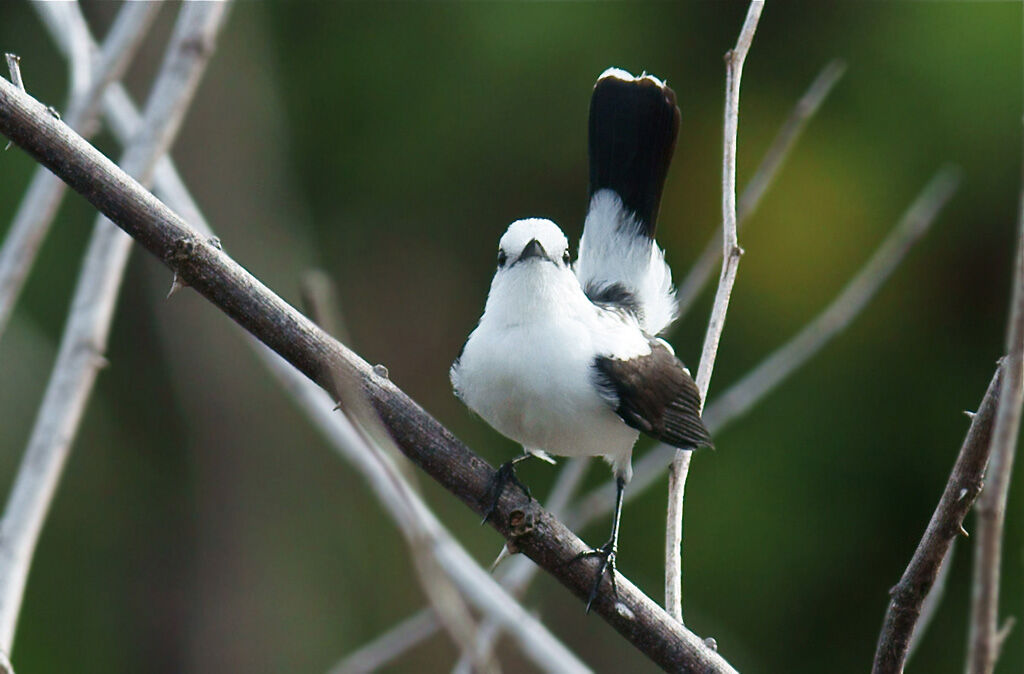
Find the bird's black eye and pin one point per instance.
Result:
(565, 256)
(502, 258)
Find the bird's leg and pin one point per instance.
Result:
(505, 474)
(607, 551)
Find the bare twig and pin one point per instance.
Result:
(808, 105)
(80, 355)
(961, 489)
(850, 302)
(211, 272)
(14, 66)
(321, 302)
(363, 440)
(514, 576)
(985, 637)
(730, 263)
(418, 522)
(42, 199)
(80, 52)
(412, 631)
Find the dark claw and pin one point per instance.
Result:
(607, 554)
(505, 474)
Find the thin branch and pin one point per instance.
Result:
(945, 525)
(208, 270)
(985, 636)
(514, 575)
(42, 199)
(850, 302)
(80, 53)
(740, 397)
(730, 263)
(404, 636)
(14, 66)
(931, 603)
(320, 298)
(84, 341)
(394, 493)
(808, 105)
(362, 439)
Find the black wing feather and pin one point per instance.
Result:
(655, 394)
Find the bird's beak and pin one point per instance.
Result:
(533, 249)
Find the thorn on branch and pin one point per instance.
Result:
(1004, 632)
(962, 531)
(176, 284)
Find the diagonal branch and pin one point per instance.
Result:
(42, 199)
(515, 576)
(84, 341)
(963, 486)
(701, 270)
(731, 252)
(421, 526)
(985, 636)
(738, 399)
(751, 389)
(206, 268)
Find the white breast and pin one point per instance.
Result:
(533, 381)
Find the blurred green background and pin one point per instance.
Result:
(203, 526)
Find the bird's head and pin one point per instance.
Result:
(534, 268)
(527, 243)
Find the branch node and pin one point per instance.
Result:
(711, 643)
(14, 65)
(381, 371)
(520, 523)
(53, 112)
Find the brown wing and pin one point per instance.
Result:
(654, 394)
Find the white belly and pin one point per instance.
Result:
(526, 384)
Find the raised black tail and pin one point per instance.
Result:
(634, 122)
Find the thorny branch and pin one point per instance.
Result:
(702, 269)
(985, 637)
(963, 486)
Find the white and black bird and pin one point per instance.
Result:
(566, 358)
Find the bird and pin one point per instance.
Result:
(568, 357)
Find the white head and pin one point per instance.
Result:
(534, 268)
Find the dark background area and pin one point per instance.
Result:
(203, 526)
